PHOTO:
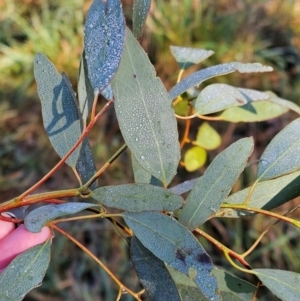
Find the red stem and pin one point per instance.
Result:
(62, 161)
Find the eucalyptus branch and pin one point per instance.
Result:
(90, 254)
(261, 211)
(93, 112)
(223, 248)
(105, 166)
(82, 217)
(50, 197)
(68, 154)
(227, 255)
(185, 137)
(214, 118)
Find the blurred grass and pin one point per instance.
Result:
(237, 30)
(54, 28)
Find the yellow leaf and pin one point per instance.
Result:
(194, 158)
(208, 137)
(182, 108)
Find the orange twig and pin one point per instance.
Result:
(88, 252)
(223, 248)
(62, 161)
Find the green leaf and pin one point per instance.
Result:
(282, 154)
(213, 187)
(145, 113)
(253, 112)
(194, 158)
(283, 284)
(218, 97)
(152, 273)
(254, 95)
(175, 245)
(85, 164)
(141, 175)
(232, 288)
(182, 108)
(138, 197)
(38, 218)
(140, 12)
(195, 79)
(85, 90)
(283, 102)
(266, 195)
(187, 57)
(62, 120)
(24, 273)
(104, 34)
(208, 137)
(187, 288)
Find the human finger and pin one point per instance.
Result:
(6, 227)
(19, 241)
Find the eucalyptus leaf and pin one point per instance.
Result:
(194, 158)
(218, 97)
(253, 112)
(254, 95)
(187, 57)
(207, 137)
(231, 287)
(104, 34)
(283, 102)
(153, 273)
(61, 117)
(85, 90)
(24, 273)
(281, 156)
(195, 79)
(107, 93)
(174, 244)
(140, 12)
(266, 195)
(138, 197)
(184, 187)
(187, 288)
(213, 187)
(145, 114)
(283, 284)
(38, 218)
(141, 175)
(86, 166)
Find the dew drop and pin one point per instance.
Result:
(211, 208)
(142, 157)
(264, 162)
(136, 139)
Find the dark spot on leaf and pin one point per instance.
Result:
(106, 7)
(203, 258)
(180, 255)
(189, 251)
(239, 100)
(134, 75)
